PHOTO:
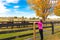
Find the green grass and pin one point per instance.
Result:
(48, 36)
(15, 34)
(9, 29)
(23, 38)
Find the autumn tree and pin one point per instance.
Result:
(57, 9)
(41, 7)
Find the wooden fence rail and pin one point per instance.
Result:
(23, 24)
(20, 23)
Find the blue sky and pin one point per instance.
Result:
(11, 8)
(19, 8)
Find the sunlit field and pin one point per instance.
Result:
(47, 34)
(18, 32)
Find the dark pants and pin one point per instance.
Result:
(41, 33)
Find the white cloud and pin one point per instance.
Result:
(16, 6)
(3, 14)
(2, 7)
(25, 14)
(53, 16)
(12, 1)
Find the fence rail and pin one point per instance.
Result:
(20, 23)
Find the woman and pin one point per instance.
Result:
(40, 27)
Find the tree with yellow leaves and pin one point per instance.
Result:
(41, 7)
(57, 9)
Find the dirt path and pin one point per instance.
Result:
(54, 37)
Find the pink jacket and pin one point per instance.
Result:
(40, 25)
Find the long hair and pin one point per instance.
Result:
(41, 21)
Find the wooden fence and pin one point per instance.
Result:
(24, 23)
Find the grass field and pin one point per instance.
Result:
(47, 34)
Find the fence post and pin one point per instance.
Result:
(34, 31)
(52, 27)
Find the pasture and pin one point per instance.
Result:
(25, 32)
(47, 34)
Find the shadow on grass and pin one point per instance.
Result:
(56, 32)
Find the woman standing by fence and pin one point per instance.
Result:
(40, 27)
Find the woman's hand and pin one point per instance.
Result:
(34, 22)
